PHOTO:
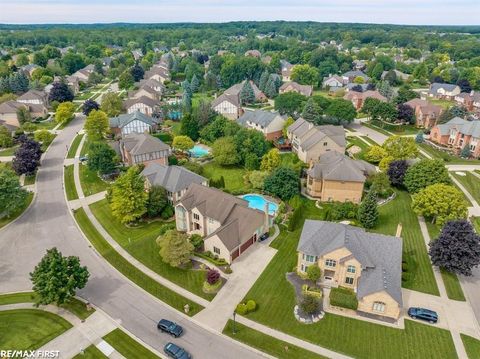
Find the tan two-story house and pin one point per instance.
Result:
(226, 223)
(368, 263)
(309, 142)
(267, 122)
(142, 148)
(337, 177)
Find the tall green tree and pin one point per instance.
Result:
(305, 75)
(189, 126)
(225, 151)
(247, 96)
(271, 160)
(182, 143)
(101, 158)
(12, 196)
(401, 148)
(157, 201)
(311, 111)
(111, 104)
(283, 183)
(56, 278)
(425, 173)
(175, 248)
(368, 211)
(96, 125)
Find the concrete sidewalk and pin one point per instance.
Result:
(77, 203)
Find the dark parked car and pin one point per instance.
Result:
(174, 351)
(423, 314)
(264, 237)
(169, 327)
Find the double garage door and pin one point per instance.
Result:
(243, 247)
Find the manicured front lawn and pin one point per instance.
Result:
(400, 130)
(128, 270)
(445, 156)
(399, 211)
(361, 144)
(92, 352)
(91, 182)
(69, 183)
(472, 346)
(266, 343)
(470, 182)
(369, 140)
(74, 146)
(140, 243)
(127, 346)
(360, 339)
(46, 125)
(8, 151)
(234, 182)
(376, 128)
(28, 329)
(476, 223)
(29, 180)
(6, 220)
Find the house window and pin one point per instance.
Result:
(379, 306)
(325, 143)
(216, 250)
(349, 280)
(196, 225)
(330, 263)
(351, 269)
(211, 221)
(196, 216)
(302, 268)
(310, 258)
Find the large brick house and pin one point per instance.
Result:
(137, 148)
(292, 86)
(309, 142)
(443, 91)
(368, 263)
(426, 113)
(358, 98)
(226, 223)
(458, 133)
(337, 177)
(267, 122)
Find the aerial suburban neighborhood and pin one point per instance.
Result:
(198, 187)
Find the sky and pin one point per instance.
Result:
(412, 12)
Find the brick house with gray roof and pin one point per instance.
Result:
(137, 148)
(368, 263)
(458, 133)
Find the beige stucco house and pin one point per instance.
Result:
(228, 106)
(267, 122)
(337, 177)
(309, 142)
(226, 222)
(368, 263)
(137, 148)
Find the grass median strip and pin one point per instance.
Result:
(92, 352)
(135, 275)
(69, 183)
(91, 182)
(74, 146)
(127, 346)
(472, 346)
(270, 345)
(6, 220)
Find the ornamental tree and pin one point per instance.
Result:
(60, 92)
(182, 143)
(111, 104)
(401, 148)
(225, 152)
(128, 198)
(396, 172)
(6, 139)
(283, 183)
(271, 160)
(425, 173)
(96, 125)
(157, 201)
(368, 211)
(101, 158)
(89, 105)
(56, 278)
(375, 154)
(27, 156)
(12, 195)
(65, 112)
(405, 113)
(440, 203)
(212, 276)
(175, 248)
(314, 273)
(457, 248)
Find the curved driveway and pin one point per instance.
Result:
(47, 223)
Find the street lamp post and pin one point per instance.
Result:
(234, 331)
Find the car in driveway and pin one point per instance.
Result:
(166, 326)
(175, 352)
(264, 237)
(423, 314)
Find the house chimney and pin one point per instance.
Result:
(399, 231)
(267, 217)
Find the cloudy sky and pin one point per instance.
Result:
(450, 12)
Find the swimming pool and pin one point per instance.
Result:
(199, 151)
(258, 202)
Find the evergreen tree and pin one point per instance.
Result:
(247, 95)
(263, 81)
(187, 102)
(189, 126)
(270, 88)
(311, 111)
(137, 72)
(194, 84)
(465, 153)
(368, 211)
(419, 137)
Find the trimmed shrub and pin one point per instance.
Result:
(228, 270)
(343, 297)
(213, 276)
(241, 309)
(172, 160)
(309, 304)
(197, 241)
(251, 306)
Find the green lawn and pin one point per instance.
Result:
(29, 329)
(399, 130)
(363, 146)
(75, 306)
(91, 182)
(140, 243)
(376, 128)
(443, 103)
(69, 183)
(290, 160)
(445, 156)
(127, 346)
(8, 151)
(92, 352)
(270, 345)
(128, 270)
(6, 220)
(472, 346)
(470, 182)
(45, 125)
(29, 180)
(234, 182)
(369, 140)
(399, 211)
(85, 147)
(450, 280)
(476, 223)
(74, 146)
(275, 298)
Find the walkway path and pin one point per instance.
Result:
(77, 203)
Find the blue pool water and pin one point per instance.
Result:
(258, 202)
(198, 151)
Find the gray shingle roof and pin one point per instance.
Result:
(140, 143)
(142, 99)
(436, 86)
(259, 117)
(122, 120)
(469, 128)
(172, 178)
(379, 255)
(310, 134)
(335, 166)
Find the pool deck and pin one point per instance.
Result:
(266, 198)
